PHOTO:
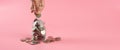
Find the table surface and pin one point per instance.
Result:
(82, 24)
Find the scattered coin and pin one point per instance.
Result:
(23, 40)
(57, 39)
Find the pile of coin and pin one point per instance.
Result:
(30, 41)
(48, 40)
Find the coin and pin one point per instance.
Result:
(57, 39)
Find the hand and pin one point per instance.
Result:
(37, 6)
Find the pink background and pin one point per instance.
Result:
(82, 24)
